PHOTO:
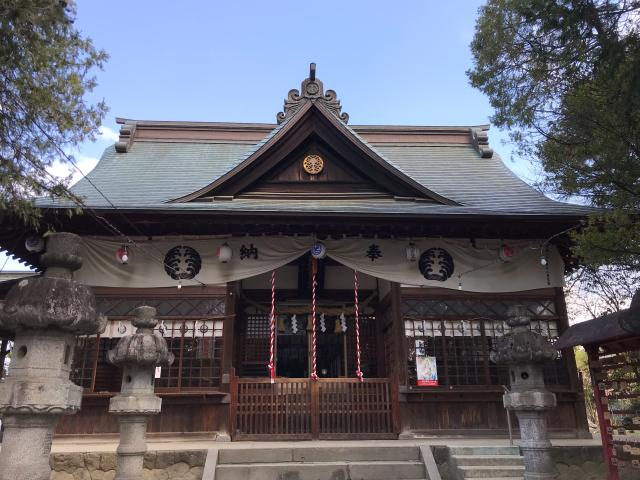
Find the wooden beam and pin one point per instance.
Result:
(399, 334)
(228, 327)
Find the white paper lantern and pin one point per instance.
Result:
(225, 252)
(122, 255)
(412, 252)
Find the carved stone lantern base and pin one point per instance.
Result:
(21, 430)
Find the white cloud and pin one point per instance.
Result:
(63, 170)
(108, 134)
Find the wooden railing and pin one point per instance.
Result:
(300, 408)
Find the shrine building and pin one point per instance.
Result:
(316, 279)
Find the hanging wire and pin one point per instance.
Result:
(357, 318)
(480, 267)
(5, 262)
(545, 244)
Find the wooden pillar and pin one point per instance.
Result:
(399, 335)
(605, 437)
(381, 369)
(228, 327)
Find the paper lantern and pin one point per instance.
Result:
(34, 243)
(225, 252)
(122, 255)
(412, 252)
(318, 251)
(507, 253)
(436, 264)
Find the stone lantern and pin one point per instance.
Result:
(46, 313)
(138, 355)
(525, 352)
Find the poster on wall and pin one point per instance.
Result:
(426, 367)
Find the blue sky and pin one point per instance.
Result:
(400, 62)
(397, 62)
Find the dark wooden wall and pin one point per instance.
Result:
(445, 410)
(478, 410)
(483, 414)
(180, 414)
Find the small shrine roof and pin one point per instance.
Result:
(612, 332)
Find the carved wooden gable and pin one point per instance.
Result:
(315, 170)
(339, 164)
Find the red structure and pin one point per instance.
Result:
(614, 365)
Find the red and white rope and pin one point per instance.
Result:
(314, 371)
(357, 317)
(272, 328)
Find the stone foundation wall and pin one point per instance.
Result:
(572, 463)
(158, 465)
(579, 463)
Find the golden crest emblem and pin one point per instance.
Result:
(313, 164)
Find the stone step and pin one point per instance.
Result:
(323, 471)
(506, 450)
(486, 472)
(315, 454)
(486, 460)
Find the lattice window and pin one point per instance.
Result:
(253, 345)
(368, 346)
(462, 345)
(166, 307)
(84, 361)
(195, 342)
(197, 346)
(437, 308)
(253, 341)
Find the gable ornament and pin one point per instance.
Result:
(311, 90)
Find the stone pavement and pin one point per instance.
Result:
(205, 442)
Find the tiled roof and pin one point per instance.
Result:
(152, 173)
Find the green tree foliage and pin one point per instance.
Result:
(564, 77)
(45, 70)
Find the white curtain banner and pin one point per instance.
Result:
(454, 264)
(446, 263)
(163, 262)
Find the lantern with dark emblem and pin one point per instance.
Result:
(182, 262)
(436, 264)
